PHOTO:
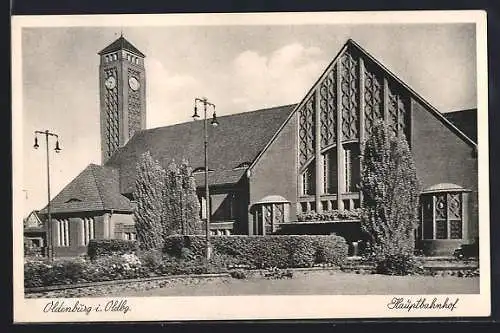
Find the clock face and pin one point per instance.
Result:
(133, 83)
(110, 82)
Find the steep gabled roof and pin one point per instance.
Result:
(352, 44)
(33, 222)
(121, 44)
(96, 188)
(238, 138)
(465, 120)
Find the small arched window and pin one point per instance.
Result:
(269, 213)
(444, 212)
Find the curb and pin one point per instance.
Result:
(118, 282)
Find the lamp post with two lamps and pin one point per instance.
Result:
(57, 149)
(214, 123)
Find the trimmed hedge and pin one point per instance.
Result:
(105, 247)
(283, 251)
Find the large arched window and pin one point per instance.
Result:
(444, 212)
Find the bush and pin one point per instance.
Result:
(390, 189)
(60, 272)
(283, 251)
(397, 264)
(238, 274)
(116, 267)
(330, 250)
(151, 260)
(106, 247)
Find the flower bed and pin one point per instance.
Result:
(109, 260)
(113, 267)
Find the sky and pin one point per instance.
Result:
(238, 68)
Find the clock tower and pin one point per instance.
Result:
(122, 86)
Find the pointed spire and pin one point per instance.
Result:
(121, 44)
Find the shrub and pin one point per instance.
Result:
(390, 192)
(151, 260)
(397, 264)
(105, 247)
(60, 272)
(117, 267)
(330, 250)
(281, 251)
(238, 274)
(174, 245)
(177, 266)
(148, 194)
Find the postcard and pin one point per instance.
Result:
(250, 166)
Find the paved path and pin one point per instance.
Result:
(323, 283)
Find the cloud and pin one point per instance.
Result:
(169, 95)
(282, 77)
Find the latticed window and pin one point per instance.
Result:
(309, 180)
(112, 115)
(373, 98)
(268, 217)
(397, 108)
(134, 106)
(350, 89)
(442, 215)
(306, 131)
(328, 109)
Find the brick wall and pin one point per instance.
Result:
(275, 172)
(441, 156)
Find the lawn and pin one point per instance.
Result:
(316, 282)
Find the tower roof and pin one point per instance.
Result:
(121, 44)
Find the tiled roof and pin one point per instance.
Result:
(238, 138)
(465, 120)
(95, 189)
(121, 44)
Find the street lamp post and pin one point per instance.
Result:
(57, 149)
(214, 123)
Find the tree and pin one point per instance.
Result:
(172, 216)
(191, 223)
(148, 194)
(181, 213)
(390, 193)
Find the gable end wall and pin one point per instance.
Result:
(275, 171)
(441, 156)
